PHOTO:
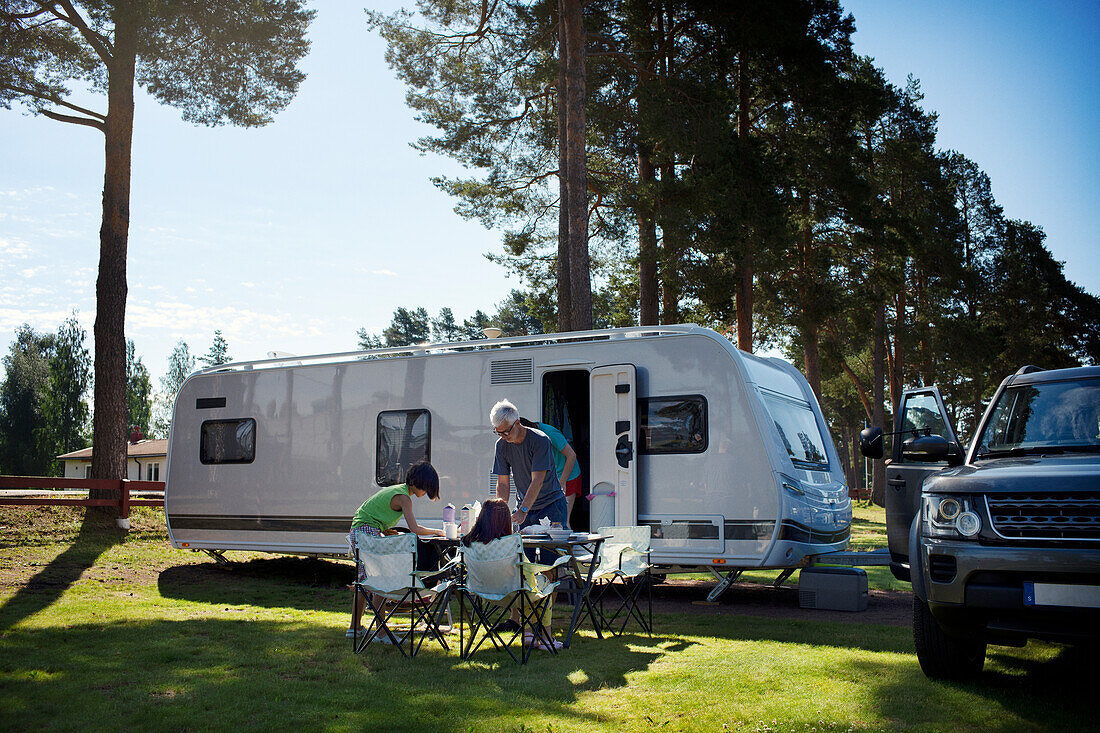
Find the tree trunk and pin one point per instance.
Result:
(745, 266)
(565, 291)
(647, 243)
(670, 257)
(109, 421)
(576, 170)
(878, 418)
(897, 365)
(810, 341)
(847, 451)
(810, 330)
(856, 476)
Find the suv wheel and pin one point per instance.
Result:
(942, 656)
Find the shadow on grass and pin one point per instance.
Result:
(789, 631)
(97, 534)
(230, 674)
(307, 584)
(1044, 693)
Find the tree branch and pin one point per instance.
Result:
(58, 101)
(100, 44)
(97, 124)
(852, 375)
(26, 16)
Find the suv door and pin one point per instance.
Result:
(922, 413)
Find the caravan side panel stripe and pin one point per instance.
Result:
(246, 523)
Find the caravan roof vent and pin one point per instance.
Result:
(510, 371)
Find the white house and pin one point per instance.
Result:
(145, 461)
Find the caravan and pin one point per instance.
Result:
(725, 456)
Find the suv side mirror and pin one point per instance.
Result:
(870, 442)
(926, 449)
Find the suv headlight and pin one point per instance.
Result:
(950, 516)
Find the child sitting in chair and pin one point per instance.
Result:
(387, 507)
(495, 521)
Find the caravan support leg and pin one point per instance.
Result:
(787, 572)
(218, 556)
(724, 582)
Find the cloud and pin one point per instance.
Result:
(26, 193)
(198, 322)
(386, 273)
(44, 320)
(14, 249)
(30, 272)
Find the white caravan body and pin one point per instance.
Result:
(724, 455)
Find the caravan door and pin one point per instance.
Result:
(613, 424)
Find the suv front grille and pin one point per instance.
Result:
(1046, 515)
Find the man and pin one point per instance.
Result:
(565, 463)
(527, 455)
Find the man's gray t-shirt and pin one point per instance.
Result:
(534, 454)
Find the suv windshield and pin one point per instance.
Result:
(797, 427)
(1060, 416)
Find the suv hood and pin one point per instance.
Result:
(1080, 472)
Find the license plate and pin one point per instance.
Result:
(1058, 594)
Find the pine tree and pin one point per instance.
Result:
(218, 353)
(408, 328)
(444, 327)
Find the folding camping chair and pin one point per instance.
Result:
(622, 573)
(498, 580)
(395, 593)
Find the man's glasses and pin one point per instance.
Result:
(505, 433)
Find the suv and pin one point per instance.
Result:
(1000, 541)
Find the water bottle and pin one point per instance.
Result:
(449, 513)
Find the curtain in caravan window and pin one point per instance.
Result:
(227, 441)
(403, 439)
(673, 424)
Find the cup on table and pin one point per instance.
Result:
(450, 529)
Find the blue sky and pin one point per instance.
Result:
(293, 236)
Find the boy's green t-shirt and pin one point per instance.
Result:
(376, 511)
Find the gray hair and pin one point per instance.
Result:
(503, 412)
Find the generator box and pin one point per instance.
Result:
(833, 589)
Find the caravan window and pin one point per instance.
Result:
(673, 424)
(798, 429)
(228, 441)
(404, 438)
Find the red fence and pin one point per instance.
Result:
(121, 488)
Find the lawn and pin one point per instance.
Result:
(108, 631)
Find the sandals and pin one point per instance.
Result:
(539, 643)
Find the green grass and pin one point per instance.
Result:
(107, 631)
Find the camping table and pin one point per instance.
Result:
(590, 543)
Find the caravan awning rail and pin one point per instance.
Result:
(456, 346)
